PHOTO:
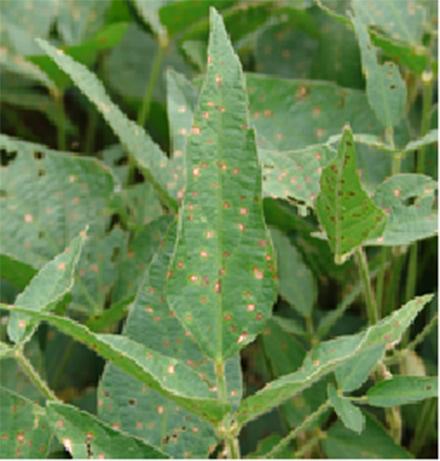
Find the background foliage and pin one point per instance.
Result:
(288, 182)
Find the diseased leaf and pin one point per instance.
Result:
(401, 390)
(408, 200)
(373, 442)
(53, 281)
(24, 430)
(149, 156)
(154, 369)
(349, 414)
(84, 436)
(345, 211)
(221, 282)
(325, 357)
(126, 401)
(386, 89)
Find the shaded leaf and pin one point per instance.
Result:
(373, 442)
(221, 282)
(296, 282)
(401, 390)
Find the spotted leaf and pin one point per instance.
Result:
(222, 278)
(345, 211)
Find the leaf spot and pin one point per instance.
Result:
(160, 409)
(196, 171)
(203, 254)
(181, 109)
(61, 266)
(250, 307)
(258, 274)
(218, 81)
(241, 226)
(244, 211)
(209, 234)
(171, 369)
(242, 337)
(205, 115)
(116, 426)
(227, 317)
(396, 192)
(21, 323)
(196, 130)
(194, 278)
(28, 218)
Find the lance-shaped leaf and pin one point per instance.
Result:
(324, 358)
(53, 282)
(408, 201)
(350, 415)
(149, 156)
(168, 376)
(345, 211)
(24, 430)
(386, 89)
(125, 401)
(84, 436)
(222, 279)
(401, 390)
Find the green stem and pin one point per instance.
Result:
(231, 441)
(58, 96)
(146, 102)
(426, 421)
(310, 419)
(393, 288)
(365, 276)
(381, 279)
(309, 445)
(33, 374)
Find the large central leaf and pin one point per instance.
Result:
(222, 282)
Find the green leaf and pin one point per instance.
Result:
(430, 138)
(414, 58)
(354, 372)
(296, 282)
(325, 357)
(386, 89)
(53, 281)
(169, 376)
(350, 415)
(402, 21)
(345, 211)
(149, 156)
(221, 285)
(85, 53)
(296, 173)
(151, 323)
(373, 443)
(84, 436)
(181, 101)
(401, 390)
(16, 272)
(24, 428)
(408, 200)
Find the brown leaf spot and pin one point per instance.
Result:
(262, 243)
(227, 317)
(250, 307)
(218, 81)
(205, 115)
(209, 235)
(28, 218)
(171, 369)
(226, 204)
(149, 309)
(218, 286)
(241, 226)
(196, 130)
(160, 409)
(203, 300)
(258, 274)
(244, 211)
(242, 337)
(196, 171)
(396, 192)
(194, 278)
(259, 316)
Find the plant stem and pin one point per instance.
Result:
(381, 279)
(393, 287)
(33, 374)
(369, 297)
(58, 96)
(309, 445)
(231, 441)
(310, 419)
(426, 421)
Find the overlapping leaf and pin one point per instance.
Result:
(169, 376)
(127, 402)
(408, 200)
(149, 156)
(345, 211)
(84, 436)
(386, 89)
(324, 358)
(53, 281)
(221, 283)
